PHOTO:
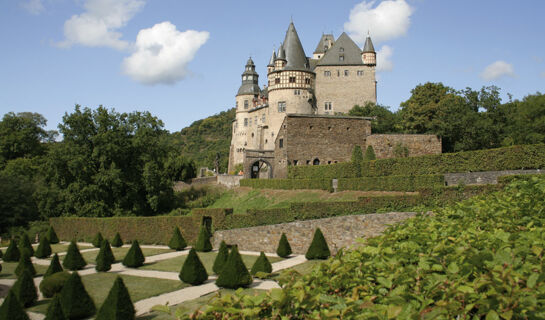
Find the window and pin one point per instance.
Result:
(280, 143)
(327, 106)
(297, 92)
(250, 77)
(329, 162)
(276, 80)
(307, 81)
(245, 104)
(346, 73)
(282, 106)
(360, 73)
(243, 78)
(329, 128)
(341, 49)
(252, 134)
(250, 122)
(338, 73)
(245, 122)
(327, 73)
(292, 79)
(255, 120)
(308, 162)
(316, 162)
(341, 58)
(263, 118)
(295, 162)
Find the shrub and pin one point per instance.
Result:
(318, 248)
(203, 241)
(287, 184)
(11, 309)
(25, 290)
(1, 254)
(177, 242)
(105, 257)
(25, 264)
(118, 305)
(54, 283)
(52, 236)
(193, 271)
(54, 310)
(75, 301)
(73, 259)
(369, 154)
(12, 252)
(234, 273)
(117, 242)
(54, 267)
(221, 258)
(262, 264)
(284, 248)
(97, 241)
(392, 183)
(44, 249)
(24, 244)
(135, 257)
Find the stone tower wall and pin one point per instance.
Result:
(417, 144)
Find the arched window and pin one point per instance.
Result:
(316, 162)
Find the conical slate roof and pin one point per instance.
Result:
(295, 55)
(281, 53)
(343, 52)
(273, 57)
(368, 47)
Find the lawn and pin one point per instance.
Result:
(119, 253)
(8, 270)
(207, 258)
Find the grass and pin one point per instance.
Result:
(119, 253)
(8, 270)
(207, 258)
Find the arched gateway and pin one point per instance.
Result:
(258, 164)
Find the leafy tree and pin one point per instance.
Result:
(52, 236)
(370, 154)
(134, 258)
(117, 242)
(193, 271)
(25, 264)
(54, 310)
(54, 266)
(12, 252)
(105, 257)
(262, 264)
(25, 245)
(203, 241)
(318, 248)
(234, 273)
(221, 258)
(284, 248)
(25, 290)
(44, 249)
(180, 168)
(97, 241)
(529, 120)
(73, 259)
(118, 304)
(177, 241)
(11, 308)
(75, 301)
(17, 205)
(385, 121)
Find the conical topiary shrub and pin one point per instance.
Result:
(135, 257)
(118, 304)
(25, 290)
(370, 154)
(73, 259)
(262, 264)
(97, 241)
(75, 301)
(193, 271)
(44, 249)
(11, 309)
(105, 257)
(221, 258)
(24, 244)
(318, 248)
(25, 264)
(52, 236)
(203, 241)
(54, 310)
(1, 254)
(53, 284)
(284, 248)
(54, 266)
(12, 252)
(177, 242)
(234, 273)
(117, 242)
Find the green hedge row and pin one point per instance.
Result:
(508, 158)
(510, 178)
(287, 184)
(391, 183)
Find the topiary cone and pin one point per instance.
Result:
(177, 241)
(54, 310)
(11, 309)
(52, 236)
(284, 248)
(44, 249)
(24, 244)
(117, 242)
(105, 257)
(97, 241)
(135, 257)
(262, 264)
(73, 259)
(221, 258)
(118, 304)
(12, 252)
(54, 266)
(318, 248)
(234, 273)
(203, 241)
(25, 290)
(25, 264)
(193, 271)
(75, 301)
(1, 254)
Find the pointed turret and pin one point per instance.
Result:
(249, 80)
(369, 56)
(273, 57)
(280, 60)
(295, 55)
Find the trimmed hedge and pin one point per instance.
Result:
(326, 171)
(118, 305)
(318, 248)
(44, 249)
(54, 266)
(287, 184)
(203, 242)
(262, 264)
(97, 241)
(25, 290)
(12, 252)
(25, 264)
(54, 310)
(24, 244)
(193, 271)
(75, 301)
(11, 309)
(234, 273)
(117, 242)
(177, 242)
(54, 284)
(134, 257)
(392, 183)
(52, 236)
(284, 248)
(221, 258)
(73, 260)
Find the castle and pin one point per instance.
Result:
(309, 92)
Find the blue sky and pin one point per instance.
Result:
(182, 60)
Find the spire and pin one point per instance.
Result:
(250, 62)
(295, 55)
(368, 47)
(250, 79)
(281, 53)
(273, 57)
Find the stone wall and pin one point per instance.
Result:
(417, 144)
(229, 181)
(338, 231)
(488, 177)
(204, 181)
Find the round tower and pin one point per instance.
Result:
(270, 66)
(369, 56)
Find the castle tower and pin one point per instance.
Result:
(270, 66)
(369, 56)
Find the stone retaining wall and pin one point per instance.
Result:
(485, 177)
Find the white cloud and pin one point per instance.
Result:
(384, 56)
(34, 6)
(162, 54)
(388, 20)
(98, 25)
(497, 70)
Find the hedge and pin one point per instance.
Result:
(391, 183)
(287, 184)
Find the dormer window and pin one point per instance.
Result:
(341, 58)
(341, 49)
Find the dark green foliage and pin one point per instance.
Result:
(177, 242)
(52, 236)
(1, 254)
(357, 155)
(73, 259)
(284, 248)
(203, 241)
(11, 309)
(76, 302)
(221, 258)
(54, 310)
(287, 184)
(44, 249)
(117, 242)
(97, 241)
(193, 271)
(54, 266)
(54, 283)
(370, 154)
(25, 264)
(25, 290)
(318, 249)
(105, 257)
(262, 264)
(234, 273)
(118, 305)
(392, 183)
(24, 244)
(135, 257)
(12, 252)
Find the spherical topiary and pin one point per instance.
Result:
(135, 257)
(203, 241)
(25, 264)
(12, 252)
(24, 244)
(75, 301)
(318, 248)
(221, 258)
(105, 257)
(54, 266)
(177, 242)
(97, 241)
(25, 290)
(54, 310)
(193, 271)
(51, 235)
(117, 242)
(118, 304)
(262, 264)
(11, 309)
(54, 283)
(73, 259)
(44, 249)
(284, 248)
(234, 273)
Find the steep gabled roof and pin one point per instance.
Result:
(345, 47)
(321, 47)
(295, 55)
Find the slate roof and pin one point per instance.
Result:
(273, 57)
(320, 48)
(368, 47)
(345, 47)
(295, 55)
(249, 86)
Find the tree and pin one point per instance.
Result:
(118, 304)
(177, 241)
(134, 258)
(529, 120)
(97, 241)
(44, 249)
(180, 168)
(262, 264)
(25, 245)
(11, 309)
(193, 271)
(75, 301)
(284, 248)
(234, 273)
(221, 258)
(12, 252)
(25, 290)
(203, 241)
(318, 248)
(385, 121)
(54, 266)
(73, 259)
(370, 154)
(117, 242)
(357, 155)
(25, 264)
(105, 257)
(16, 201)
(52, 236)
(54, 310)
